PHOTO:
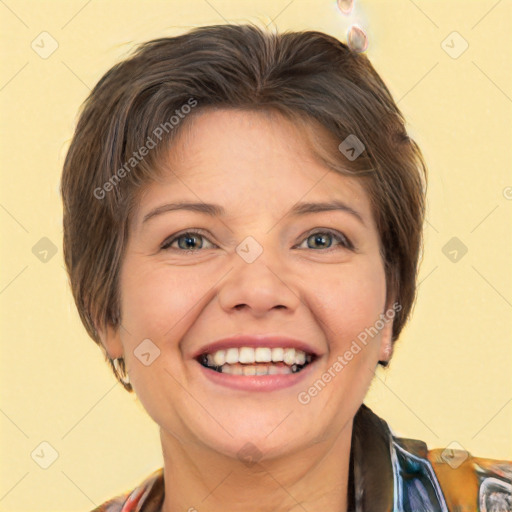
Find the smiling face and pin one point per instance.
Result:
(319, 278)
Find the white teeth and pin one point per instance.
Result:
(232, 355)
(219, 358)
(246, 355)
(277, 354)
(300, 357)
(232, 369)
(249, 370)
(237, 369)
(289, 356)
(230, 358)
(263, 355)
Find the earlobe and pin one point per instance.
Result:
(111, 340)
(386, 352)
(386, 345)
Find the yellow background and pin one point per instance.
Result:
(450, 379)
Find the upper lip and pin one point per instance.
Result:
(255, 341)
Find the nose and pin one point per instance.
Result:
(258, 287)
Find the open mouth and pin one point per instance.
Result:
(256, 361)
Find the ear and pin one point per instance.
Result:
(386, 343)
(111, 340)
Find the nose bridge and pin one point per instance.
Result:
(259, 280)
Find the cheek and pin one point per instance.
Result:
(352, 301)
(154, 299)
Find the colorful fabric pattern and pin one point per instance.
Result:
(401, 475)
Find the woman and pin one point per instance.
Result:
(243, 219)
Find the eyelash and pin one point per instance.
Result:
(340, 237)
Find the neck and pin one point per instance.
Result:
(198, 479)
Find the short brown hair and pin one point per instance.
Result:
(305, 75)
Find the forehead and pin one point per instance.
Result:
(249, 160)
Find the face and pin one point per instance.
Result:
(261, 267)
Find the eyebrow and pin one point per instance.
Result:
(215, 210)
(209, 209)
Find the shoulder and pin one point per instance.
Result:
(146, 497)
(467, 479)
(452, 479)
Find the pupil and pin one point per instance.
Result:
(189, 241)
(320, 238)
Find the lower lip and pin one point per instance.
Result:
(256, 382)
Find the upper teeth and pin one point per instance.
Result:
(289, 356)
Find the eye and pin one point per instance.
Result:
(192, 240)
(187, 241)
(323, 239)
